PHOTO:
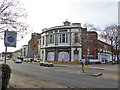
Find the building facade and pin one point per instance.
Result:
(93, 48)
(71, 42)
(39, 47)
(61, 43)
(33, 45)
(24, 51)
(104, 52)
(16, 54)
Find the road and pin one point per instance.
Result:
(64, 75)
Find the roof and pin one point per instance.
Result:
(65, 26)
(103, 42)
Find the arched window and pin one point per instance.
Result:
(50, 56)
(63, 56)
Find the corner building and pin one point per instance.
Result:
(62, 43)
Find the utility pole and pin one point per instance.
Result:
(5, 54)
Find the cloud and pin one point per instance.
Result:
(98, 13)
(49, 13)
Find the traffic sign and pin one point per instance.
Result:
(10, 38)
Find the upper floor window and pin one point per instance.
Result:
(63, 38)
(66, 38)
(51, 38)
(60, 36)
(76, 39)
(43, 40)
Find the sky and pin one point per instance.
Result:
(49, 13)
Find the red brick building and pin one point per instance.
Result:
(94, 48)
(33, 45)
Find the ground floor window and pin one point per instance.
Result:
(50, 56)
(63, 56)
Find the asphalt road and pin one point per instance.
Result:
(65, 75)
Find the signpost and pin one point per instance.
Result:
(9, 40)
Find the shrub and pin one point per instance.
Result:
(6, 71)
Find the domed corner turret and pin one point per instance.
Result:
(66, 23)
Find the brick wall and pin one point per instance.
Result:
(33, 42)
(91, 45)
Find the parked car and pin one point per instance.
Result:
(36, 60)
(1, 59)
(16, 60)
(7, 58)
(46, 63)
(26, 59)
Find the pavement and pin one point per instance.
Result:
(98, 70)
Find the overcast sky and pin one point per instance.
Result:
(49, 13)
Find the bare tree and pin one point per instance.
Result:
(12, 17)
(89, 43)
(89, 39)
(111, 35)
(91, 27)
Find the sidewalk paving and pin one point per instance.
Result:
(99, 68)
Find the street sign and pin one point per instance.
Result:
(10, 38)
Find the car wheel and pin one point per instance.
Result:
(47, 65)
(40, 64)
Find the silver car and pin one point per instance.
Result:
(16, 60)
(45, 63)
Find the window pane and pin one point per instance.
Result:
(76, 38)
(60, 37)
(66, 37)
(63, 38)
